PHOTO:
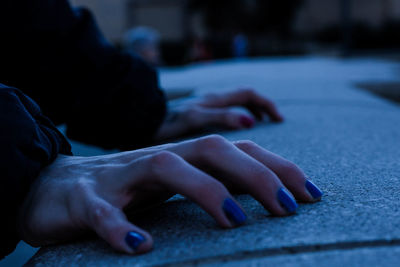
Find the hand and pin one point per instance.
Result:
(77, 194)
(214, 110)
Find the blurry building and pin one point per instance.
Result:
(178, 21)
(167, 16)
(117, 16)
(315, 15)
(170, 16)
(111, 16)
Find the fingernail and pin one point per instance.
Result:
(134, 239)
(246, 121)
(287, 201)
(314, 191)
(233, 212)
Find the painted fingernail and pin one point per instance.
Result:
(233, 212)
(246, 121)
(287, 201)
(134, 239)
(314, 191)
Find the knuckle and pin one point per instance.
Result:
(101, 212)
(82, 187)
(161, 160)
(246, 145)
(212, 142)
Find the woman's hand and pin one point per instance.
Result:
(215, 110)
(77, 194)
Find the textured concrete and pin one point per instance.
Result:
(345, 139)
(382, 256)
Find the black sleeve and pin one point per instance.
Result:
(28, 142)
(57, 55)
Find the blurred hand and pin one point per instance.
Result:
(75, 195)
(216, 110)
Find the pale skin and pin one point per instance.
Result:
(76, 195)
(215, 110)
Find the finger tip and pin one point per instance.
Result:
(285, 213)
(313, 191)
(234, 213)
(145, 247)
(229, 225)
(282, 213)
(314, 200)
(138, 243)
(276, 210)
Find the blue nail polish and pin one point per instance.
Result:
(134, 239)
(233, 212)
(287, 201)
(314, 191)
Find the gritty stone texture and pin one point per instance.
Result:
(346, 140)
(383, 257)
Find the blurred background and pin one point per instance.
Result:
(184, 31)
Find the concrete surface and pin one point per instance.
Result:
(382, 256)
(347, 141)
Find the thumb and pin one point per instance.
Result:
(111, 224)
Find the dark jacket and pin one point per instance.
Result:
(28, 142)
(57, 56)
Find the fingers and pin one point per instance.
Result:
(111, 224)
(256, 103)
(226, 162)
(291, 175)
(170, 171)
(266, 176)
(224, 117)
